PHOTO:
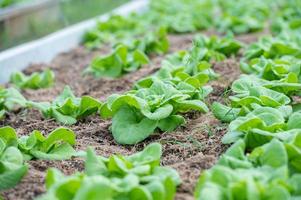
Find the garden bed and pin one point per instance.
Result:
(189, 149)
(196, 107)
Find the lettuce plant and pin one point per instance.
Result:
(114, 29)
(138, 176)
(269, 47)
(12, 167)
(15, 151)
(214, 48)
(56, 146)
(67, 108)
(190, 62)
(238, 24)
(283, 74)
(10, 99)
(268, 124)
(156, 104)
(180, 16)
(130, 31)
(122, 60)
(263, 174)
(276, 69)
(264, 118)
(287, 18)
(250, 93)
(36, 80)
(153, 42)
(205, 49)
(241, 16)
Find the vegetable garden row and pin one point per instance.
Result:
(259, 111)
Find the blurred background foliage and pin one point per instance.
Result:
(33, 23)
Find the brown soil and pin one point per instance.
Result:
(190, 149)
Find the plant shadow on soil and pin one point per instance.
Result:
(189, 149)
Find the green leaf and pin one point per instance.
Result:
(150, 155)
(187, 105)
(171, 123)
(94, 187)
(94, 165)
(67, 108)
(36, 80)
(137, 176)
(8, 134)
(158, 114)
(294, 121)
(117, 63)
(57, 146)
(11, 178)
(272, 154)
(224, 113)
(130, 128)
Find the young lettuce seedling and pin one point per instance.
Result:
(122, 60)
(12, 167)
(15, 151)
(35, 81)
(66, 108)
(10, 99)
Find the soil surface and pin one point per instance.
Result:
(190, 149)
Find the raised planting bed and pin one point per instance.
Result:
(239, 96)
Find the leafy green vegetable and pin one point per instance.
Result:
(242, 16)
(56, 146)
(287, 19)
(67, 108)
(137, 176)
(130, 31)
(224, 113)
(36, 80)
(269, 47)
(187, 63)
(250, 93)
(114, 29)
(283, 73)
(13, 151)
(154, 105)
(261, 175)
(264, 118)
(12, 167)
(151, 42)
(214, 48)
(10, 99)
(130, 54)
(179, 16)
(120, 61)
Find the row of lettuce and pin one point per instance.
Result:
(264, 116)
(184, 16)
(138, 176)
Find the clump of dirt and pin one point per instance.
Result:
(189, 149)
